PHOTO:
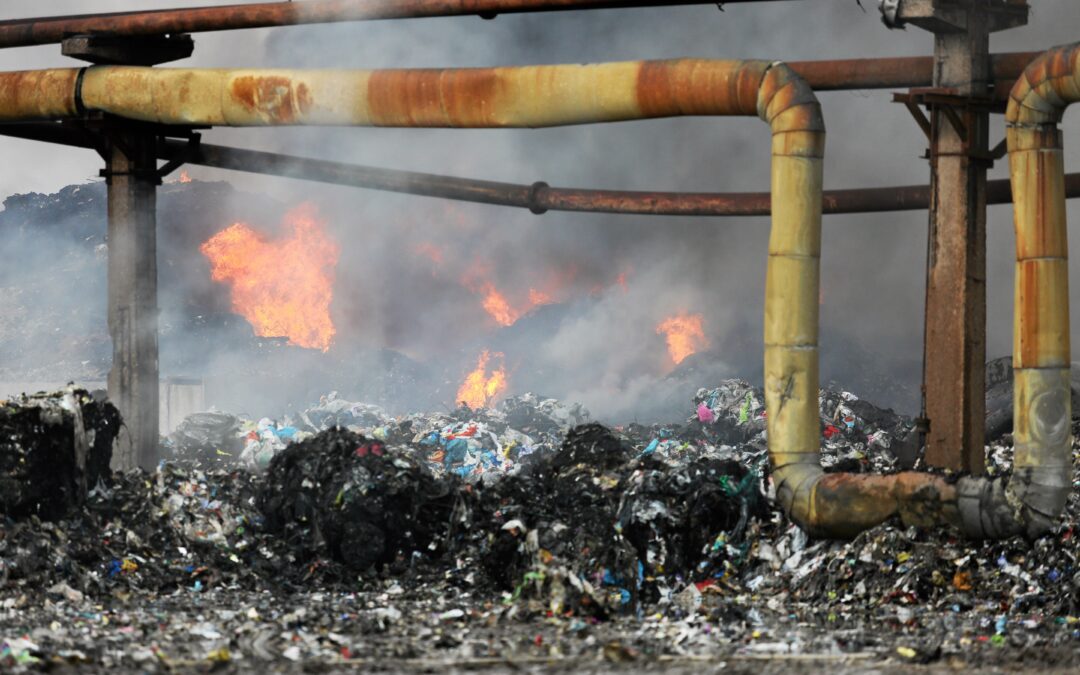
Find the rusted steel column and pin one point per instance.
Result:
(133, 323)
(955, 330)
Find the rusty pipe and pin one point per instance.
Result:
(541, 197)
(539, 96)
(831, 505)
(879, 73)
(1032, 499)
(284, 97)
(54, 29)
(538, 197)
(897, 72)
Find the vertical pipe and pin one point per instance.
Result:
(133, 323)
(1041, 358)
(791, 297)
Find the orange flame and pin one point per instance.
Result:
(282, 287)
(500, 308)
(685, 335)
(184, 177)
(496, 305)
(538, 298)
(430, 251)
(480, 389)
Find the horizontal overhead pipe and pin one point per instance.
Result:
(874, 73)
(538, 197)
(897, 72)
(54, 29)
(181, 96)
(541, 197)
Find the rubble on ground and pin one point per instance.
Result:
(523, 534)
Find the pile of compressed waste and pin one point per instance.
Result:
(53, 449)
(539, 535)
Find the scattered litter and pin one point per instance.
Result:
(364, 536)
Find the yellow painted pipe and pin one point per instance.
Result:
(531, 96)
(1032, 499)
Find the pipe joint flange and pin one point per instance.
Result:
(534, 197)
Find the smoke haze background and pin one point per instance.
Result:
(600, 347)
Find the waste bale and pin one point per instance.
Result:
(548, 532)
(54, 447)
(207, 438)
(689, 519)
(597, 529)
(344, 497)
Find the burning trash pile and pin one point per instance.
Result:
(357, 535)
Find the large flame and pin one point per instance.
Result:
(282, 287)
(479, 388)
(685, 335)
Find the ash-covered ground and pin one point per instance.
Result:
(524, 536)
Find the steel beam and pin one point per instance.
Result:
(955, 324)
(131, 176)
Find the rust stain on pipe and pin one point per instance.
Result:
(272, 97)
(38, 94)
(434, 97)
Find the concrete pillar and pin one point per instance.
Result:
(133, 312)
